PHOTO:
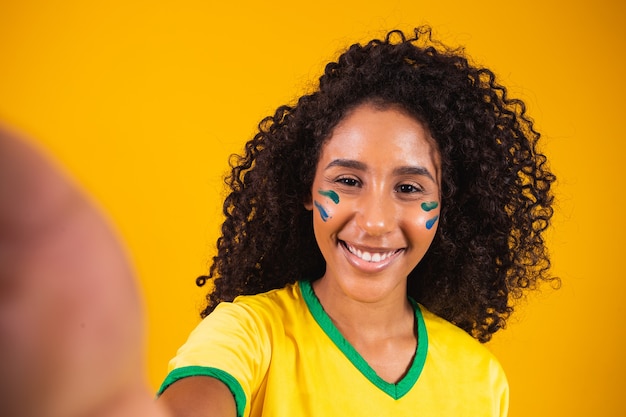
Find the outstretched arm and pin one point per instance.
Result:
(71, 327)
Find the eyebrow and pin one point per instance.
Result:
(360, 166)
(347, 163)
(414, 170)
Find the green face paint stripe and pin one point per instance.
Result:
(430, 223)
(330, 194)
(429, 205)
(323, 214)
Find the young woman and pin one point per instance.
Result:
(375, 233)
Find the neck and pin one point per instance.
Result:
(371, 318)
(378, 324)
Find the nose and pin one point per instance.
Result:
(376, 215)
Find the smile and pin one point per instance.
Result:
(372, 257)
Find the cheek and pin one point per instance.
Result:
(322, 210)
(430, 223)
(329, 194)
(430, 212)
(325, 204)
(426, 218)
(429, 205)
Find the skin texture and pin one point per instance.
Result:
(383, 165)
(71, 328)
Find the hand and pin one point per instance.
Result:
(71, 328)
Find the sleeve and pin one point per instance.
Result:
(233, 345)
(504, 396)
(499, 386)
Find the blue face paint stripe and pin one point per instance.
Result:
(323, 214)
(430, 223)
(330, 194)
(429, 205)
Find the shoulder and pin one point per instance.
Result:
(279, 301)
(254, 312)
(449, 343)
(244, 328)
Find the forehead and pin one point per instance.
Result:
(382, 138)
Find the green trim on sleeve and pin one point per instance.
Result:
(395, 391)
(230, 381)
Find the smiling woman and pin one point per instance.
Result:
(375, 233)
(383, 165)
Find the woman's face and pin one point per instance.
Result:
(375, 200)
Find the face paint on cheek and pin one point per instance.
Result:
(330, 194)
(323, 214)
(429, 205)
(430, 223)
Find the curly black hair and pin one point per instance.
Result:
(496, 200)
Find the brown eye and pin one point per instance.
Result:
(350, 182)
(408, 188)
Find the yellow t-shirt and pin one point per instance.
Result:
(280, 355)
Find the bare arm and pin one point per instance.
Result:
(198, 396)
(70, 317)
(71, 327)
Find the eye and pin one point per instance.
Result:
(348, 181)
(408, 189)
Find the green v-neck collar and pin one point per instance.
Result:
(397, 390)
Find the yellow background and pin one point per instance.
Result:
(143, 101)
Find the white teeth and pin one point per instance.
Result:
(369, 257)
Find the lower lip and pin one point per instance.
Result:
(365, 266)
